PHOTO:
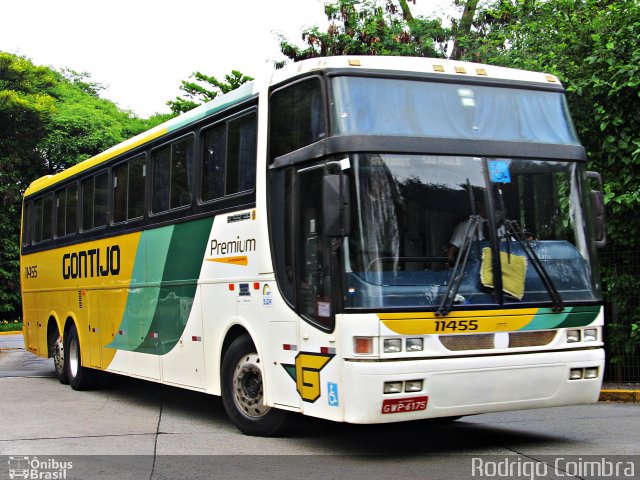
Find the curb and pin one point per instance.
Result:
(19, 332)
(632, 396)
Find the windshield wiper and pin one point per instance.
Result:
(472, 231)
(513, 230)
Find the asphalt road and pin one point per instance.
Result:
(136, 429)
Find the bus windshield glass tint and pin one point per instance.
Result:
(411, 214)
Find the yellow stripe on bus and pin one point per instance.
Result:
(478, 321)
(239, 260)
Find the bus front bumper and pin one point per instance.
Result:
(469, 385)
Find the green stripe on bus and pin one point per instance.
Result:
(546, 318)
(148, 268)
(179, 282)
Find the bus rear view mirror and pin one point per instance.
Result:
(336, 205)
(597, 207)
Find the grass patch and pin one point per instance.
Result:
(10, 325)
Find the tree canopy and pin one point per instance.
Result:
(49, 120)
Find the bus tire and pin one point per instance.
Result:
(243, 391)
(80, 378)
(59, 361)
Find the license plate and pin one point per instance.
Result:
(402, 405)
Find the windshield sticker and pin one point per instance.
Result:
(499, 171)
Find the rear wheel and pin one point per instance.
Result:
(80, 378)
(243, 391)
(58, 361)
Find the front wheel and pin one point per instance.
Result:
(243, 391)
(80, 378)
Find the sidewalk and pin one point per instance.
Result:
(620, 392)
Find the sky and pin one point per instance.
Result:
(142, 49)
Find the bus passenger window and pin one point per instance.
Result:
(161, 165)
(296, 117)
(120, 177)
(213, 163)
(47, 217)
(94, 202)
(60, 212)
(241, 154)
(27, 223)
(128, 190)
(136, 188)
(181, 165)
(172, 176)
(37, 224)
(71, 209)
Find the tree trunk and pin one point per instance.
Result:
(464, 28)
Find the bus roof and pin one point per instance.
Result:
(385, 63)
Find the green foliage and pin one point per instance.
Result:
(204, 89)
(49, 120)
(593, 47)
(10, 325)
(26, 109)
(370, 27)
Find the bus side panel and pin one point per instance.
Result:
(184, 364)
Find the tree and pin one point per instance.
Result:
(49, 120)
(204, 89)
(26, 108)
(370, 27)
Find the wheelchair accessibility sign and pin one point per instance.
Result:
(333, 394)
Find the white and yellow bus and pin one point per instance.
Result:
(360, 239)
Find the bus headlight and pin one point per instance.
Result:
(590, 335)
(413, 386)
(591, 372)
(392, 345)
(575, 373)
(415, 344)
(392, 387)
(573, 336)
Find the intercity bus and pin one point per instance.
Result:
(290, 247)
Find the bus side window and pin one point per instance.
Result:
(241, 154)
(296, 117)
(47, 217)
(94, 201)
(229, 157)
(37, 223)
(314, 289)
(60, 204)
(128, 190)
(172, 175)
(71, 209)
(27, 222)
(213, 162)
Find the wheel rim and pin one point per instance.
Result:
(248, 387)
(58, 355)
(74, 357)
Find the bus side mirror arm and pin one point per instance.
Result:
(336, 205)
(597, 207)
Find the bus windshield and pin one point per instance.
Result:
(388, 106)
(410, 217)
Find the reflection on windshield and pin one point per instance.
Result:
(407, 208)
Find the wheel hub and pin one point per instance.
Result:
(247, 386)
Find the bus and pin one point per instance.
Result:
(289, 246)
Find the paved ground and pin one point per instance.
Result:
(135, 429)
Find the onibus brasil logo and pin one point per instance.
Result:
(38, 469)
